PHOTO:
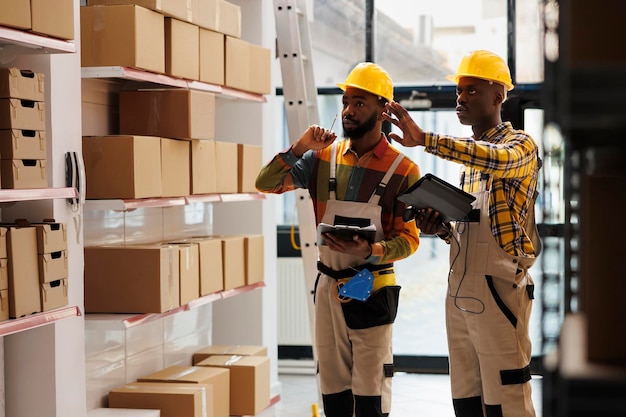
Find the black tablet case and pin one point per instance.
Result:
(451, 202)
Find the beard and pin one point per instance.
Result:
(359, 130)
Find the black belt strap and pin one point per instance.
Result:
(349, 272)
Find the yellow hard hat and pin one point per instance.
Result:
(371, 78)
(485, 65)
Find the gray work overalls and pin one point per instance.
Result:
(488, 308)
(355, 364)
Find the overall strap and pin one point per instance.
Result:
(531, 227)
(332, 180)
(485, 184)
(380, 188)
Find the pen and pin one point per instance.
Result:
(333, 123)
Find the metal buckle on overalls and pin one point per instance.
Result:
(332, 184)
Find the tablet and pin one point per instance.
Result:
(347, 232)
(451, 202)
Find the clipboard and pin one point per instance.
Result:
(452, 203)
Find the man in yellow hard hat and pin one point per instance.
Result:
(490, 291)
(354, 184)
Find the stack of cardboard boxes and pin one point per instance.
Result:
(159, 277)
(53, 267)
(165, 146)
(4, 276)
(36, 256)
(22, 103)
(151, 142)
(195, 40)
(145, 162)
(224, 381)
(22, 129)
(43, 17)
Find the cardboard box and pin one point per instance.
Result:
(249, 163)
(24, 298)
(15, 13)
(228, 18)
(4, 274)
(22, 84)
(240, 350)
(22, 114)
(131, 279)
(174, 8)
(203, 167)
(53, 17)
(254, 263)
(51, 237)
(189, 275)
(206, 15)
(233, 261)
(182, 49)
(53, 294)
(23, 173)
(249, 382)
(219, 378)
(169, 113)
(52, 266)
(211, 57)
(175, 166)
(227, 166)
(260, 70)
(173, 399)
(247, 66)
(211, 268)
(100, 106)
(22, 144)
(4, 305)
(127, 36)
(237, 63)
(3, 242)
(123, 166)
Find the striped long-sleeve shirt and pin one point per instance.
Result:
(510, 157)
(357, 179)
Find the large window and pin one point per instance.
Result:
(421, 41)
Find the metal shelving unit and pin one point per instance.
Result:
(135, 320)
(12, 38)
(39, 319)
(32, 194)
(36, 320)
(112, 80)
(131, 74)
(131, 204)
